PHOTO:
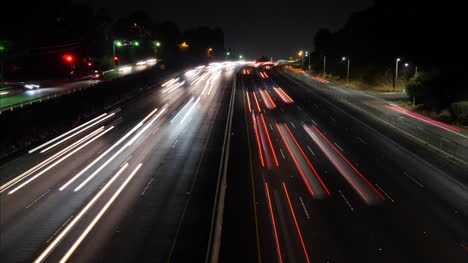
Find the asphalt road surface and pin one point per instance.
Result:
(313, 180)
(135, 184)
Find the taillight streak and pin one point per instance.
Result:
(275, 231)
(256, 101)
(258, 140)
(348, 162)
(295, 161)
(307, 159)
(295, 222)
(269, 140)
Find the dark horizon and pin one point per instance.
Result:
(256, 29)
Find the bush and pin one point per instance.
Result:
(460, 110)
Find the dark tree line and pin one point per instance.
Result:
(36, 35)
(429, 35)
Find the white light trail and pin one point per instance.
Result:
(78, 132)
(75, 220)
(59, 161)
(65, 134)
(100, 214)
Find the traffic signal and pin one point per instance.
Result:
(90, 64)
(68, 58)
(116, 58)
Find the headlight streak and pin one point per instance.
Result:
(75, 220)
(129, 143)
(171, 88)
(100, 214)
(59, 161)
(190, 110)
(101, 156)
(65, 134)
(183, 108)
(46, 162)
(76, 133)
(169, 82)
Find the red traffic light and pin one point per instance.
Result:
(68, 58)
(116, 58)
(90, 64)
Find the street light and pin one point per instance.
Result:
(395, 84)
(347, 71)
(324, 64)
(158, 44)
(301, 54)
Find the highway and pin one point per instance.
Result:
(55, 87)
(319, 181)
(135, 184)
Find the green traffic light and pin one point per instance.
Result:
(228, 53)
(136, 43)
(2, 48)
(241, 57)
(118, 43)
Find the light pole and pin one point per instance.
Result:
(395, 84)
(324, 64)
(347, 71)
(307, 55)
(301, 55)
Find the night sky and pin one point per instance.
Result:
(253, 28)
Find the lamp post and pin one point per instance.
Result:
(324, 64)
(395, 84)
(301, 55)
(347, 71)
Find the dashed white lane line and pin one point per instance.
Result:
(304, 207)
(385, 193)
(346, 200)
(308, 147)
(282, 154)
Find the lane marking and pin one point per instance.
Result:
(281, 151)
(292, 124)
(40, 197)
(359, 138)
(414, 180)
(304, 207)
(308, 147)
(346, 200)
(385, 193)
(341, 149)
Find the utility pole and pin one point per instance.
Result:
(309, 62)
